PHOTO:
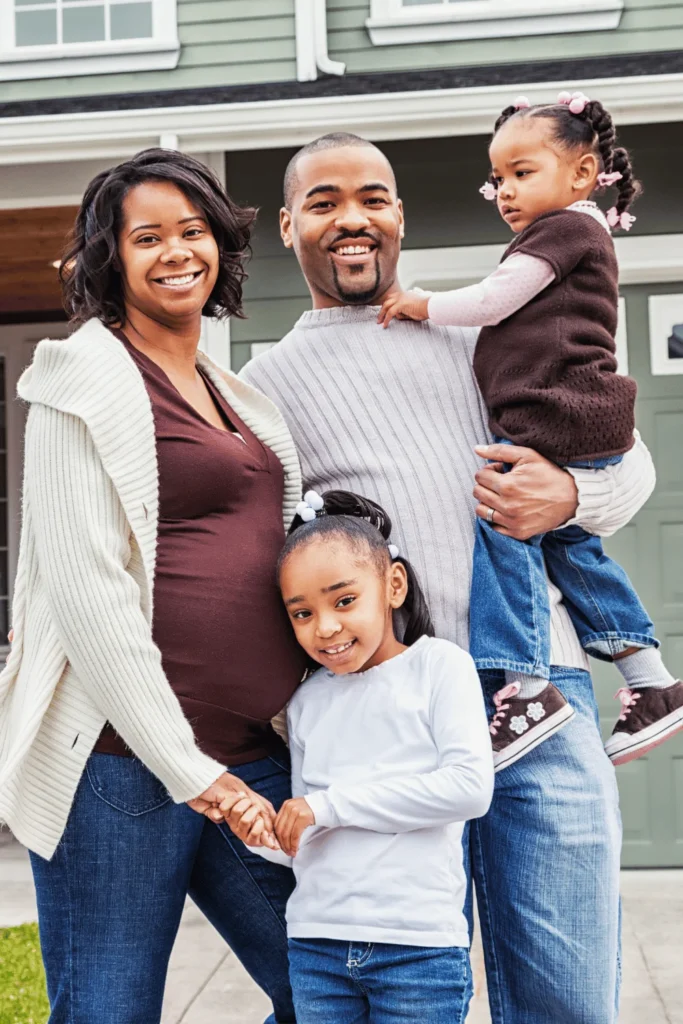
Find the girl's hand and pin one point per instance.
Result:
(404, 306)
(295, 816)
(246, 819)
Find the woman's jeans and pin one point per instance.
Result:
(545, 863)
(111, 898)
(509, 606)
(337, 982)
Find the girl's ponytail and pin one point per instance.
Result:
(365, 525)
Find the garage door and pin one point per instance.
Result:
(651, 549)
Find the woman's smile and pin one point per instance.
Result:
(180, 282)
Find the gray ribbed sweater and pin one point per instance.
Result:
(395, 415)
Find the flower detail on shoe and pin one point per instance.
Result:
(519, 724)
(536, 711)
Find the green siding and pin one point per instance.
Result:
(645, 25)
(438, 181)
(223, 42)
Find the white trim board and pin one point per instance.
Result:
(643, 259)
(392, 22)
(278, 123)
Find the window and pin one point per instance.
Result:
(423, 21)
(56, 38)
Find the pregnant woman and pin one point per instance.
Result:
(150, 646)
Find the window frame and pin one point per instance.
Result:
(392, 22)
(161, 50)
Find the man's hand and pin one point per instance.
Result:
(404, 306)
(294, 818)
(536, 496)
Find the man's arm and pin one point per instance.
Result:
(609, 498)
(537, 496)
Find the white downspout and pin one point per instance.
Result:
(311, 41)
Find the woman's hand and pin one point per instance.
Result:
(536, 496)
(245, 817)
(294, 818)
(223, 788)
(404, 306)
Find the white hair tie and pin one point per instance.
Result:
(308, 509)
(393, 552)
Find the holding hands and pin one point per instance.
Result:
(294, 817)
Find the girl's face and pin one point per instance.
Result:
(534, 175)
(341, 606)
(167, 252)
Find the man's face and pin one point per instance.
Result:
(345, 225)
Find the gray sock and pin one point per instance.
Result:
(645, 668)
(530, 686)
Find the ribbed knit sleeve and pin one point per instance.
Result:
(83, 546)
(609, 498)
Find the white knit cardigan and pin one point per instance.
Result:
(83, 652)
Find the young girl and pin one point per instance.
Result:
(545, 365)
(390, 756)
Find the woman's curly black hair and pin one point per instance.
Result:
(367, 527)
(91, 282)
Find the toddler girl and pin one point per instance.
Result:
(390, 756)
(546, 368)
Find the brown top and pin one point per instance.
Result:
(548, 372)
(226, 644)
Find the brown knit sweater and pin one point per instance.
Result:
(548, 372)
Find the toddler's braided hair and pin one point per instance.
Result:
(593, 129)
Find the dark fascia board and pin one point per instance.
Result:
(618, 66)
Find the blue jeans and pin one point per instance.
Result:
(110, 899)
(545, 863)
(509, 607)
(337, 982)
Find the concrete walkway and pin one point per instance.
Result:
(206, 984)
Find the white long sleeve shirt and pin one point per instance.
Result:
(392, 761)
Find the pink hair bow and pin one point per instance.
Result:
(489, 191)
(623, 220)
(576, 101)
(522, 103)
(607, 180)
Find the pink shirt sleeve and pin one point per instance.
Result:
(514, 283)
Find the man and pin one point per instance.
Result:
(396, 416)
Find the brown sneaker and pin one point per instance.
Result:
(649, 716)
(519, 724)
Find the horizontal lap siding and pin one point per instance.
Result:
(645, 25)
(223, 42)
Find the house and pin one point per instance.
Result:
(241, 83)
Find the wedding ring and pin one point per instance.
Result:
(489, 516)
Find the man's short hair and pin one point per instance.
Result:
(335, 140)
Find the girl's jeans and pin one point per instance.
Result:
(509, 607)
(111, 898)
(545, 863)
(337, 982)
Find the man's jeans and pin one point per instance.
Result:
(111, 898)
(545, 863)
(509, 608)
(338, 982)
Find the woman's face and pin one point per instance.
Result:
(167, 253)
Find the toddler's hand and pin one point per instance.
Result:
(404, 306)
(295, 816)
(245, 816)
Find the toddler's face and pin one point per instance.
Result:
(533, 174)
(340, 606)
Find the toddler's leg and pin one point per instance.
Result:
(325, 990)
(613, 625)
(411, 984)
